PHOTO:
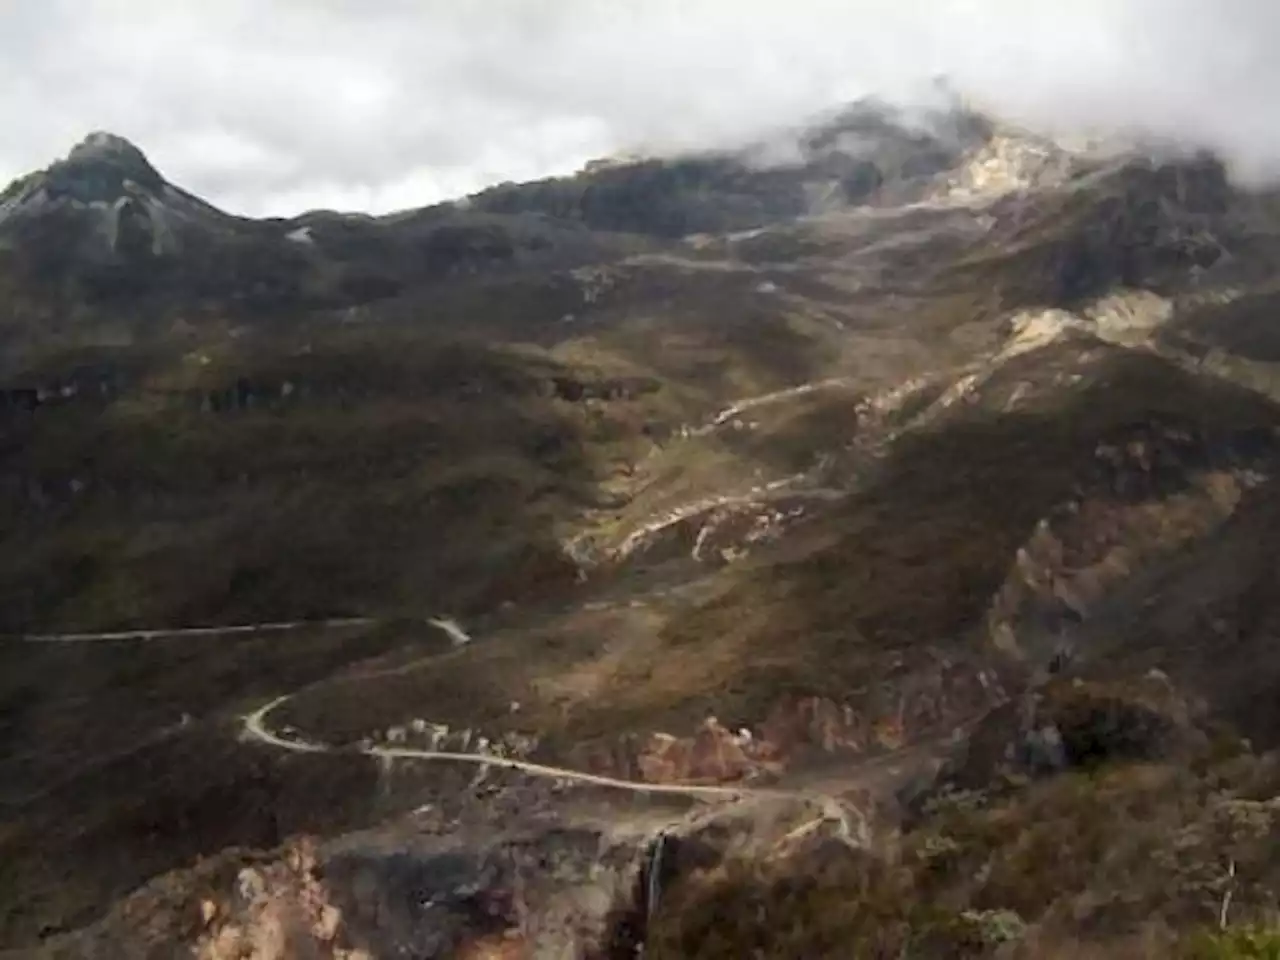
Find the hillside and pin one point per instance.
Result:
(809, 534)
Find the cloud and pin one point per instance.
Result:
(273, 106)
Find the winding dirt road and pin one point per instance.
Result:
(851, 823)
(177, 633)
(256, 729)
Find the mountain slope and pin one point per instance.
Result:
(798, 475)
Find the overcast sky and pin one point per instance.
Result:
(276, 106)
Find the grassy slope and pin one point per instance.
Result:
(400, 475)
(908, 565)
(915, 558)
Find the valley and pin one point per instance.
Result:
(869, 553)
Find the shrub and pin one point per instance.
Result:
(1240, 943)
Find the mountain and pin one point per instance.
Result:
(104, 215)
(868, 154)
(856, 542)
(102, 228)
(107, 195)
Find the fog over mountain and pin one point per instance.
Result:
(275, 107)
(842, 520)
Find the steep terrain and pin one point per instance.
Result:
(821, 537)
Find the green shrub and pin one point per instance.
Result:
(1241, 943)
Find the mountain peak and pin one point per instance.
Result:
(102, 203)
(102, 146)
(101, 163)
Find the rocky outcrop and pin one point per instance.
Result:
(1010, 161)
(275, 912)
(930, 701)
(107, 202)
(542, 883)
(1153, 492)
(713, 754)
(1137, 222)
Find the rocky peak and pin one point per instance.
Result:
(102, 171)
(107, 156)
(102, 204)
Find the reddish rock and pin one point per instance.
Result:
(712, 755)
(663, 759)
(715, 754)
(812, 722)
(933, 699)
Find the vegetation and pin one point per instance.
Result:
(1239, 943)
(910, 562)
(1083, 865)
(411, 416)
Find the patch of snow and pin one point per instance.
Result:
(301, 235)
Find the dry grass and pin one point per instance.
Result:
(1127, 862)
(907, 566)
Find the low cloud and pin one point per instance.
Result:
(274, 106)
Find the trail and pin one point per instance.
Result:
(176, 633)
(449, 626)
(256, 729)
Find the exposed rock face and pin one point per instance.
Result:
(552, 888)
(1147, 223)
(930, 703)
(817, 723)
(712, 754)
(106, 199)
(276, 912)
(1009, 161)
(100, 166)
(1155, 491)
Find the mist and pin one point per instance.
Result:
(277, 106)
